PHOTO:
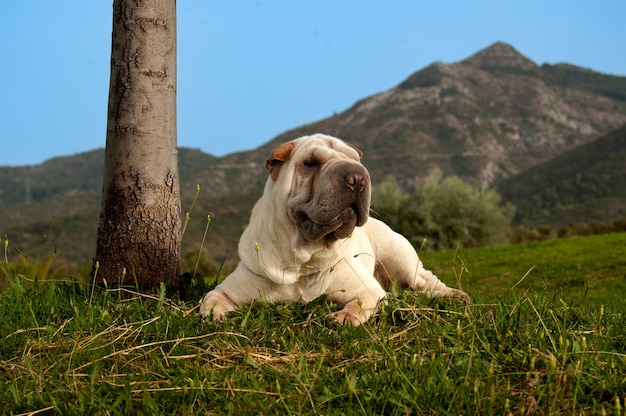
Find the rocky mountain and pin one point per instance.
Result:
(487, 118)
(490, 116)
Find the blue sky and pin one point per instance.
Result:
(250, 70)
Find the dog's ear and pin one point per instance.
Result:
(356, 148)
(279, 156)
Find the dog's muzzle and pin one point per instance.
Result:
(340, 202)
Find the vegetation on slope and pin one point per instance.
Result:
(566, 75)
(443, 213)
(583, 184)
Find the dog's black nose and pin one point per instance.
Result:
(356, 181)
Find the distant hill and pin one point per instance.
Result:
(70, 174)
(585, 184)
(487, 118)
(55, 205)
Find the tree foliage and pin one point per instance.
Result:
(442, 213)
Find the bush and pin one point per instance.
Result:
(524, 234)
(445, 212)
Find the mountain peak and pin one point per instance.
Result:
(501, 55)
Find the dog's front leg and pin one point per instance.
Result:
(359, 298)
(240, 287)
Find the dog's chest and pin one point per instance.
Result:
(314, 271)
(312, 283)
(313, 275)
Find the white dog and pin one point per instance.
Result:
(310, 235)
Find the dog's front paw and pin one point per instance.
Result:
(346, 318)
(353, 314)
(216, 305)
(456, 295)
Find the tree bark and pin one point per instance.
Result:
(139, 229)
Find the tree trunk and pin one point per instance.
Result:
(139, 230)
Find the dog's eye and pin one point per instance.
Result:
(311, 163)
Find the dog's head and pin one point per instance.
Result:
(323, 185)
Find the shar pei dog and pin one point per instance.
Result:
(310, 234)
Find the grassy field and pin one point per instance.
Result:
(545, 334)
(577, 269)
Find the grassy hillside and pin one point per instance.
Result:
(552, 345)
(585, 184)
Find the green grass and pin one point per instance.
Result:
(548, 346)
(577, 269)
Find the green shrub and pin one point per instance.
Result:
(446, 212)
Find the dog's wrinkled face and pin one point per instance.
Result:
(327, 188)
